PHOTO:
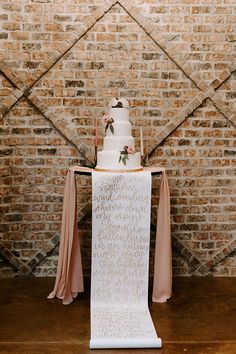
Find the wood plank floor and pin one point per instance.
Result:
(199, 319)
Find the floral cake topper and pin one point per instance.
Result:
(124, 154)
(119, 103)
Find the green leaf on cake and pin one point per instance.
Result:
(112, 128)
(124, 155)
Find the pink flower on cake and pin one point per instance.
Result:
(108, 121)
(124, 154)
(131, 150)
(105, 119)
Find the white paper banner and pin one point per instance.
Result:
(120, 316)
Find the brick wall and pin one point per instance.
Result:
(60, 63)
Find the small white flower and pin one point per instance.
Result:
(125, 103)
(113, 102)
(119, 103)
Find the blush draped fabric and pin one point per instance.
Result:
(69, 278)
(162, 281)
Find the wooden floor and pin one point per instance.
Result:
(199, 319)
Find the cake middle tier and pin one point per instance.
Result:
(117, 143)
(120, 129)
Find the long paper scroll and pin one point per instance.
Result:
(120, 316)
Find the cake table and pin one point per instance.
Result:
(120, 316)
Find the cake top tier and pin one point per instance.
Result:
(119, 110)
(119, 114)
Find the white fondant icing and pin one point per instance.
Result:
(117, 143)
(108, 158)
(119, 114)
(120, 129)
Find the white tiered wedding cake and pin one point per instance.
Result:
(118, 152)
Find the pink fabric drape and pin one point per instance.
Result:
(69, 278)
(162, 282)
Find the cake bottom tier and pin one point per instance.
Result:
(109, 161)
